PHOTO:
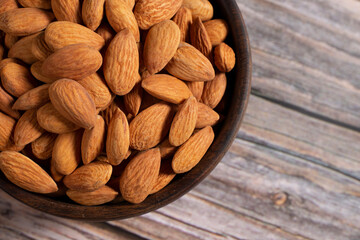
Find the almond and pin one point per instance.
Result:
(61, 34)
(52, 121)
(191, 152)
(117, 142)
(224, 57)
(89, 177)
(36, 72)
(25, 173)
(44, 4)
(184, 122)
(121, 63)
(73, 102)
(120, 16)
(43, 146)
(6, 5)
(102, 195)
(167, 88)
(206, 116)
(22, 49)
(150, 12)
(217, 30)
(7, 125)
(166, 149)
(140, 175)
(92, 13)
(214, 90)
(10, 40)
(6, 104)
(132, 100)
(93, 141)
(24, 21)
(6, 61)
(34, 98)
(199, 37)
(66, 152)
(74, 61)
(16, 79)
(190, 64)
(166, 175)
(39, 48)
(183, 19)
(27, 129)
(200, 8)
(67, 10)
(196, 88)
(160, 46)
(54, 173)
(106, 32)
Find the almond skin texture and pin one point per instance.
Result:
(16, 79)
(184, 122)
(150, 12)
(166, 149)
(6, 61)
(118, 137)
(22, 49)
(92, 13)
(73, 102)
(61, 34)
(140, 175)
(150, 126)
(36, 72)
(120, 16)
(34, 98)
(27, 129)
(93, 141)
(196, 88)
(25, 173)
(200, 8)
(25, 21)
(224, 57)
(44, 4)
(43, 146)
(190, 64)
(106, 32)
(67, 10)
(183, 19)
(6, 5)
(132, 100)
(7, 125)
(121, 63)
(10, 40)
(214, 90)
(101, 196)
(66, 152)
(52, 121)
(217, 30)
(206, 116)
(199, 37)
(6, 104)
(89, 177)
(39, 47)
(191, 152)
(54, 173)
(167, 88)
(166, 175)
(161, 44)
(74, 61)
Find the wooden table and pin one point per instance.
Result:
(293, 172)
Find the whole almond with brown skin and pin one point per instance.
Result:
(39, 47)
(6, 5)
(167, 88)
(224, 57)
(118, 138)
(36, 72)
(61, 34)
(16, 79)
(183, 19)
(190, 64)
(22, 49)
(67, 10)
(73, 102)
(67, 152)
(74, 61)
(214, 90)
(7, 125)
(44, 4)
(93, 141)
(10, 40)
(150, 126)
(52, 121)
(206, 116)
(34, 98)
(140, 175)
(6, 104)
(166, 149)
(199, 37)
(166, 175)
(92, 13)
(101, 196)
(161, 44)
(25, 173)
(200, 8)
(54, 173)
(89, 177)
(121, 63)
(196, 88)
(43, 146)
(217, 30)
(120, 16)
(6, 61)
(27, 129)
(150, 12)
(184, 122)
(191, 152)
(132, 100)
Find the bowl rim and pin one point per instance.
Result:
(172, 192)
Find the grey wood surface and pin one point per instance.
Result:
(294, 170)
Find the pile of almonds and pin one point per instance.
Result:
(108, 99)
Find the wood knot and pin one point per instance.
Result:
(280, 198)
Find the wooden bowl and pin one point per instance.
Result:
(238, 90)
